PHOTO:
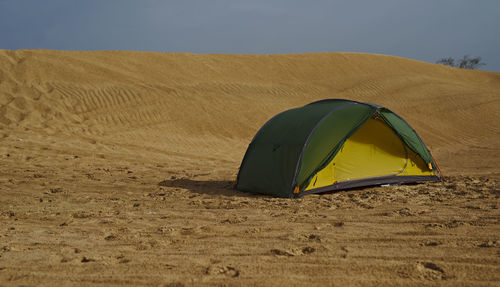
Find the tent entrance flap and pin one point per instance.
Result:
(374, 150)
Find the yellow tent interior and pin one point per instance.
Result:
(373, 150)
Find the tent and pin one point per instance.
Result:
(331, 145)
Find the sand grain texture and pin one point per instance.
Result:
(116, 168)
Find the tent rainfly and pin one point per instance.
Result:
(331, 145)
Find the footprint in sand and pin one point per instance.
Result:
(221, 270)
(280, 252)
(235, 219)
(294, 252)
(430, 271)
(313, 237)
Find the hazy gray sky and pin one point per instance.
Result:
(424, 30)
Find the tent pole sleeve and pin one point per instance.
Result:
(441, 175)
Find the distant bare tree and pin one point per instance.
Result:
(468, 63)
(446, 61)
(465, 63)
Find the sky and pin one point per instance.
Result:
(425, 30)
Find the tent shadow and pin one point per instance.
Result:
(226, 187)
(209, 187)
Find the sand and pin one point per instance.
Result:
(116, 168)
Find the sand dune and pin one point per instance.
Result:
(125, 161)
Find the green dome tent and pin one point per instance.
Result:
(331, 145)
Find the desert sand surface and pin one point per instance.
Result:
(117, 168)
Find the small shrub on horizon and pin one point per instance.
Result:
(465, 63)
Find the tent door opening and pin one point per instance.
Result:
(373, 150)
